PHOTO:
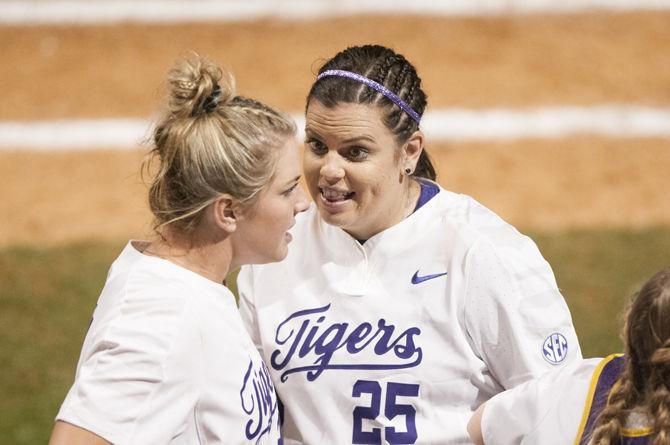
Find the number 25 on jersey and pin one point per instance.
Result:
(391, 409)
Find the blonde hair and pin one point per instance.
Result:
(645, 381)
(208, 142)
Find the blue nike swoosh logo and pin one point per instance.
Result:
(416, 279)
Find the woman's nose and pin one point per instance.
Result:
(332, 170)
(301, 201)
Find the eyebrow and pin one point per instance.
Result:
(309, 133)
(363, 137)
(291, 181)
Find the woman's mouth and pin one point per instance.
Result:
(334, 199)
(335, 195)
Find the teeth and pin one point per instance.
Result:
(334, 195)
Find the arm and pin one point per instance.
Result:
(511, 417)
(475, 426)
(67, 434)
(540, 411)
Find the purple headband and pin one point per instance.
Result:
(375, 86)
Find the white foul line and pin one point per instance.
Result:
(616, 121)
(169, 11)
(554, 122)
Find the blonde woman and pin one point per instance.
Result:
(622, 399)
(166, 359)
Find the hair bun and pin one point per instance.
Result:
(197, 86)
(212, 100)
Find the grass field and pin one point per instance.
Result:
(47, 297)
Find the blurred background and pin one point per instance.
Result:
(556, 116)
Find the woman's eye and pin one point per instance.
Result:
(317, 147)
(290, 191)
(357, 153)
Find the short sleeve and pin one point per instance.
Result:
(246, 304)
(543, 410)
(136, 377)
(514, 313)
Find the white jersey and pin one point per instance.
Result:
(167, 360)
(557, 408)
(398, 340)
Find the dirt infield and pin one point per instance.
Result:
(115, 71)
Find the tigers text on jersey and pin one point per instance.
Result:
(167, 360)
(559, 408)
(398, 340)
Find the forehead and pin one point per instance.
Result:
(345, 121)
(287, 164)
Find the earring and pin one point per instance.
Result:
(408, 171)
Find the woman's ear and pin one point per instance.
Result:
(225, 212)
(412, 150)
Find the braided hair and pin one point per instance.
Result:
(645, 382)
(389, 69)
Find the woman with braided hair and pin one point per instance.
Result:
(619, 400)
(166, 359)
(402, 306)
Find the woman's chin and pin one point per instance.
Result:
(277, 253)
(282, 250)
(337, 219)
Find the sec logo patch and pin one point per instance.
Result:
(555, 348)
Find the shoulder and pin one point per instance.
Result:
(143, 276)
(463, 209)
(145, 308)
(474, 223)
(148, 288)
(495, 233)
(495, 246)
(142, 347)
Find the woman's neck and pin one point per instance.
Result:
(394, 215)
(210, 258)
(413, 193)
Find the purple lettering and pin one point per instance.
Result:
(324, 345)
(358, 334)
(296, 341)
(258, 401)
